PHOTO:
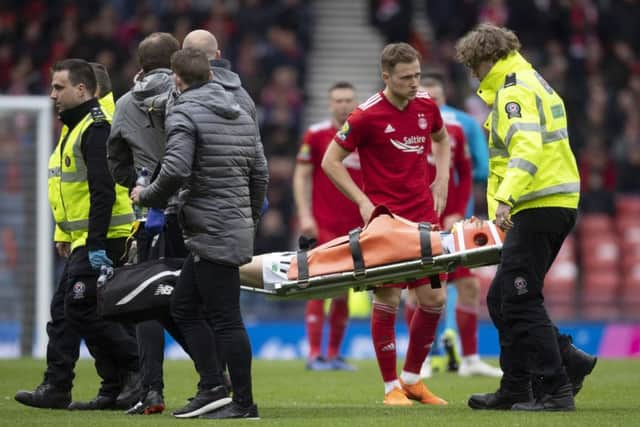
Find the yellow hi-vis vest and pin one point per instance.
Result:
(531, 164)
(108, 104)
(69, 196)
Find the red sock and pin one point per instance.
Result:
(421, 334)
(383, 334)
(467, 320)
(337, 324)
(314, 320)
(409, 309)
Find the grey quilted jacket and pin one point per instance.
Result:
(214, 155)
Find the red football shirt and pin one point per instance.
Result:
(334, 213)
(393, 146)
(460, 172)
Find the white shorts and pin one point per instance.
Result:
(275, 267)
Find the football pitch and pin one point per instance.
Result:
(287, 395)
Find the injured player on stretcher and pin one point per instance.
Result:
(388, 248)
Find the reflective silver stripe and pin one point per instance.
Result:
(523, 164)
(74, 176)
(54, 171)
(495, 152)
(554, 135)
(515, 127)
(571, 187)
(83, 224)
(495, 138)
(540, 107)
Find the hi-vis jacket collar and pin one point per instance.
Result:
(494, 80)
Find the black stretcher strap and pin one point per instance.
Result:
(303, 265)
(425, 241)
(356, 252)
(426, 252)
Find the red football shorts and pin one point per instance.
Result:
(459, 273)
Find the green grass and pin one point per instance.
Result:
(287, 395)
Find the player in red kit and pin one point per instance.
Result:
(324, 214)
(392, 132)
(460, 184)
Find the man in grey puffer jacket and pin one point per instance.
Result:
(132, 146)
(137, 140)
(214, 155)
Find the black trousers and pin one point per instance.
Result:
(207, 289)
(529, 341)
(150, 333)
(74, 316)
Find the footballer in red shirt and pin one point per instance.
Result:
(392, 132)
(325, 213)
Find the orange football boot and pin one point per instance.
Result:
(421, 393)
(396, 397)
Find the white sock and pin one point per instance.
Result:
(409, 377)
(471, 358)
(390, 385)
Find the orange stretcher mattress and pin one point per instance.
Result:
(389, 238)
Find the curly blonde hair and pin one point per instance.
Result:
(486, 43)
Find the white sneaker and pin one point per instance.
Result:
(425, 370)
(473, 365)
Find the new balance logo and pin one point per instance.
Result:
(389, 347)
(389, 129)
(164, 290)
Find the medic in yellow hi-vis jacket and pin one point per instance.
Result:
(533, 194)
(93, 219)
(531, 163)
(69, 193)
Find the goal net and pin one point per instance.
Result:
(26, 248)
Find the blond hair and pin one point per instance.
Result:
(486, 42)
(396, 53)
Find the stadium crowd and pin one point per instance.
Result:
(588, 50)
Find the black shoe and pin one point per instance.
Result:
(578, 365)
(233, 410)
(203, 402)
(560, 400)
(153, 403)
(98, 403)
(501, 399)
(45, 396)
(131, 391)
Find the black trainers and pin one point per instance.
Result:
(560, 400)
(45, 396)
(153, 403)
(98, 403)
(501, 399)
(578, 365)
(234, 410)
(203, 402)
(131, 391)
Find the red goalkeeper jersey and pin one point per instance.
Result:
(334, 213)
(393, 146)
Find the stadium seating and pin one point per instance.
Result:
(628, 226)
(560, 287)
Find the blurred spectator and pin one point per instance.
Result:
(392, 18)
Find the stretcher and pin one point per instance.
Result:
(392, 252)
